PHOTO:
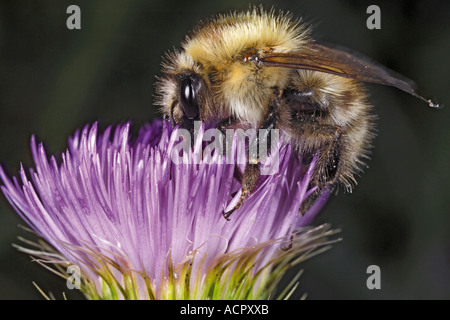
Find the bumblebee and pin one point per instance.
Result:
(262, 69)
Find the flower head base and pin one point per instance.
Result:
(142, 227)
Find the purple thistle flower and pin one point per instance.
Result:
(140, 226)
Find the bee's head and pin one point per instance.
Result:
(216, 73)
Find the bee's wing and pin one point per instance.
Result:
(334, 61)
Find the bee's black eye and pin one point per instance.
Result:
(189, 86)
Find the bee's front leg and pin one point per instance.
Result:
(249, 181)
(252, 173)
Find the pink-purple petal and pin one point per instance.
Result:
(127, 197)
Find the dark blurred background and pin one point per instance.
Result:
(54, 80)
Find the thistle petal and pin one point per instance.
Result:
(141, 226)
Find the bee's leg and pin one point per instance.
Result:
(330, 156)
(172, 119)
(252, 173)
(328, 164)
(249, 181)
(223, 125)
(311, 200)
(315, 137)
